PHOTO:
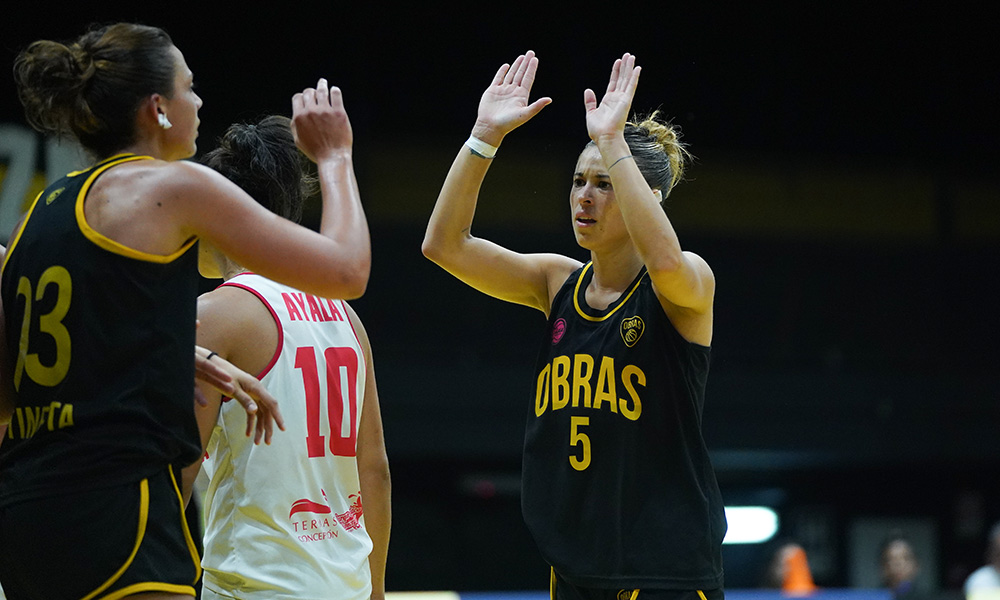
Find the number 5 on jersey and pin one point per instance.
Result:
(578, 438)
(341, 399)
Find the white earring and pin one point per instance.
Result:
(164, 122)
(659, 195)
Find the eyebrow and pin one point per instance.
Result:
(599, 175)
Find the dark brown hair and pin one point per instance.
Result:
(91, 88)
(263, 160)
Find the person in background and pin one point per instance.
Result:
(984, 582)
(789, 571)
(898, 565)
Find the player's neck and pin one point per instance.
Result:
(615, 270)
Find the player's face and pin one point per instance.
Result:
(596, 218)
(898, 563)
(181, 110)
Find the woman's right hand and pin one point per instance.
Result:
(504, 106)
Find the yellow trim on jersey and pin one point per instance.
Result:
(576, 297)
(701, 595)
(187, 532)
(138, 588)
(17, 235)
(108, 159)
(108, 243)
(143, 516)
(552, 583)
(635, 594)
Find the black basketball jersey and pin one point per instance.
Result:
(618, 490)
(102, 339)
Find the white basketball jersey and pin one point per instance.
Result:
(285, 520)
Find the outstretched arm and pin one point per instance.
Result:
(334, 263)
(323, 132)
(680, 278)
(373, 469)
(490, 268)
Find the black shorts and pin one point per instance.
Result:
(100, 544)
(560, 589)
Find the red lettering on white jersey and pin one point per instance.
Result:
(293, 313)
(333, 310)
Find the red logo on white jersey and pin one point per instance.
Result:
(350, 519)
(307, 505)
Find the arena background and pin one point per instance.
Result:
(846, 194)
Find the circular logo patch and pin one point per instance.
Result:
(558, 330)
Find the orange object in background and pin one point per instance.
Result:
(798, 580)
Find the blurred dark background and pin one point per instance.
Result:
(846, 194)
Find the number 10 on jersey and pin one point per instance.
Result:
(341, 400)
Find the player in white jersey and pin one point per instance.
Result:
(307, 516)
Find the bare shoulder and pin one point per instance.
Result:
(558, 265)
(359, 327)
(557, 269)
(189, 177)
(159, 179)
(230, 310)
(238, 325)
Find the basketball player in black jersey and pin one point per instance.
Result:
(99, 286)
(617, 489)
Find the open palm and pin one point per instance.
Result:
(504, 105)
(608, 119)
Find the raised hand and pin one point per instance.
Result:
(319, 122)
(504, 105)
(608, 119)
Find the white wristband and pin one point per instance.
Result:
(480, 148)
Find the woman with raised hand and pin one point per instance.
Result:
(99, 286)
(618, 491)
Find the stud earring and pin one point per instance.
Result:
(164, 122)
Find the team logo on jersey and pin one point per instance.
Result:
(558, 330)
(51, 197)
(632, 328)
(317, 527)
(307, 505)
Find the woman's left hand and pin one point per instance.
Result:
(607, 120)
(261, 407)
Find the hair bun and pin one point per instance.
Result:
(91, 88)
(83, 62)
(652, 132)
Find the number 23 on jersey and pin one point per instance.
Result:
(49, 324)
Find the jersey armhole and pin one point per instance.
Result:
(277, 323)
